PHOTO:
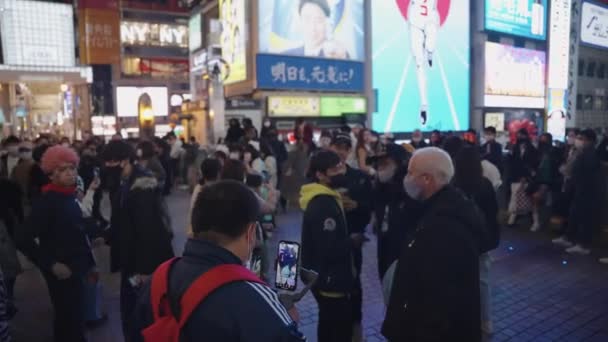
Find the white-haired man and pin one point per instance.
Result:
(435, 292)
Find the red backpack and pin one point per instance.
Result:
(166, 328)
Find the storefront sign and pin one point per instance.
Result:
(243, 104)
(199, 60)
(594, 25)
(524, 18)
(37, 33)
(337, 106)
(154, 34)
(284, 72)
(99, 36)
(293, 106)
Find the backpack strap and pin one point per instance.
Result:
(159, 289)
(210, 281)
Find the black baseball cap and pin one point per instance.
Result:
(341, 138)
(392, 151)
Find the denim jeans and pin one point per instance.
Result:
(485, 264)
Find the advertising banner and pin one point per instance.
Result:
(153, 34)
(37, 33)
(515, 77)
(594, 25)
(511, 121)
(524, 18)
(234, 38)
(314, 28)
(293, 106)
(195, 31)
(127, 100)
(336, 106)
(99, 36)
(421, 65)
(285, 72)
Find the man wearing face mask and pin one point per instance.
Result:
(418, 140)
(358, 206)
(394, 211)
(490, 149)
(327, 246)
(11, 156)
(435, 294)
(140, 234)
(244, 311)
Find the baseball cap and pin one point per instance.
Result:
(341, 138)
(321, 162)
(392, 151)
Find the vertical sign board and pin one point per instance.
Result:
(559, 55)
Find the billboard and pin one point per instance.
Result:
(294, 106)
(37, 33)
(234, 38)
(99, 36)
(524, 18)
(195, 31)
(336, 106)
(511, 121)
(141, 33)
(421, 65)
(594, 25)
(515, 77)
(315, 28)
(127, 100)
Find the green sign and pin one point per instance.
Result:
(336, 106)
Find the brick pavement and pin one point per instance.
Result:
(540, 294)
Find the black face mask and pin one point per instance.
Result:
(338, 181)
(111, 178)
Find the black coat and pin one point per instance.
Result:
(486, 201)
(11, 204)
(359, 190)
(524, 166)
(56, 221)
(326, 245)
(435, 294)
(140, 233)
(588, 186)
(492, 152)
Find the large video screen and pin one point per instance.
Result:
(525, 18)
(127, 100)
(515, 77)
(312, 28)
(421, 65)
(234, 38)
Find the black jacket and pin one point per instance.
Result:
(326, 244)
(485, 199)
(11, 205)
(588, 185)
(524, 165)
(435, 294)
(56, 220)
(359, 190)
(240, 311)
(492, 152)
(140, 234)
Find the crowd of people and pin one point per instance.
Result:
(433, 207)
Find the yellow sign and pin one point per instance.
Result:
(234, 38)
(496, 120)
(293, 106)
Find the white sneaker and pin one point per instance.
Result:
(535, 227)
(562, 241)
(604, 261)
(578, 249)
(512, 219)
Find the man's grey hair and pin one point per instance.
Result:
(437, 163)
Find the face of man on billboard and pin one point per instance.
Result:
(314, 25)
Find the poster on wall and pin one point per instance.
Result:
(514, 77)
(313, 28)
(294, 106)
(421, 65)
(127, 100)
(524, 18)
(594, 24)
(234, 38)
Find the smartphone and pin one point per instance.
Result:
(288, 260)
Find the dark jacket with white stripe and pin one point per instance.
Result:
(239, 311)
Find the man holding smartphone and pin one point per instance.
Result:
(328, 246)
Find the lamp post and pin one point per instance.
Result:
(146, 117)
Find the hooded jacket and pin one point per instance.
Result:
(326, 244)
(435, 294)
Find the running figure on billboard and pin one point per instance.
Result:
(424, 23)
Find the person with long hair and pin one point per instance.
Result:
(365, 151)
(468, 177)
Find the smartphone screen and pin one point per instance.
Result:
(288, 257)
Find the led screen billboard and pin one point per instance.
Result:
(421, 65)
(234, 38)
(525, 18)
(315, 28)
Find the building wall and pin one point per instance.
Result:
(592, 87)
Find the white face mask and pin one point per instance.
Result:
(140, 153)
(235, 156)
(25, 155)
(571, 141)
(417, 139)
(411, 188)
(247, 157)
(65, 145)
(13, 150)
(325, 142)
(385, 175)
(267, 124)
